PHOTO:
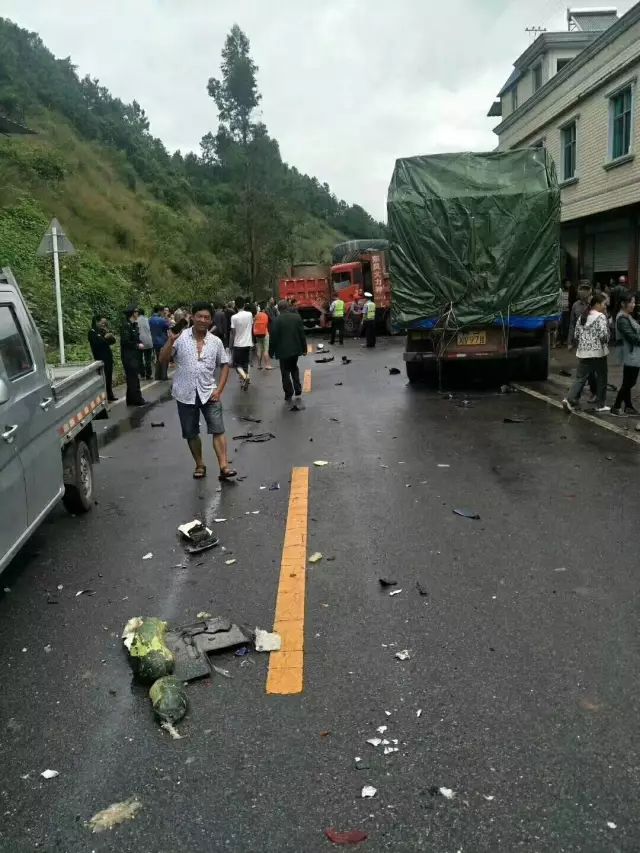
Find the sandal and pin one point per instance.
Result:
(200, 473)
(228, 473)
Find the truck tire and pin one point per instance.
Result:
(78, 493)
(415, 372)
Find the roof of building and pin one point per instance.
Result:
(591, 20)
(597, 42)
(11, 127)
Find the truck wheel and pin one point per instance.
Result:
(78, 493)
(415, 372)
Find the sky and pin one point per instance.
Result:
(348, 85)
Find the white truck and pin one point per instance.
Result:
(47, 442)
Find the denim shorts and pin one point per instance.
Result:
(189, 414)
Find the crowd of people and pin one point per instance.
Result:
(599, 321)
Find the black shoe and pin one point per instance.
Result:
(617, 413)
(629, 410)
(288, 399)
(112, 399)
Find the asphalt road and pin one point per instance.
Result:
(523, 655)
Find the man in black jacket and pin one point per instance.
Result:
(131, 354)
(287, 343)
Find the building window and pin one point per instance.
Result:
(569, 134)
(620, 111)
(560, 64)
(514, 99)
(537, 76)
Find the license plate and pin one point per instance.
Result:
(472, 339)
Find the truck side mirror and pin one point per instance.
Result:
(4, 391)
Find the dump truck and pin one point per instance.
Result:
(475, 259)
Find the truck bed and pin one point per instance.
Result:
(79, 395)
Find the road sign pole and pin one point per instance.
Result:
(56, 274)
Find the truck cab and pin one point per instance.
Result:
(352, 279)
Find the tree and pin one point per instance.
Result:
(236, 93)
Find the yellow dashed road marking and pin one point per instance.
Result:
(286, 666)
(309, 349)
(306, 385)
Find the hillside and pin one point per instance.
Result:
(148, 226)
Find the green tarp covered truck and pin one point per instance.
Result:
(475, 258)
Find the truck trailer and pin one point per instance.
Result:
(475, 259)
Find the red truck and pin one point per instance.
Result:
(359, 266)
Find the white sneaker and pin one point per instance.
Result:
(603, 409)
(566, 405)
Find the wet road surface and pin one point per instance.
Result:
(523, 655)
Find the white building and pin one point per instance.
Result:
(576, 93)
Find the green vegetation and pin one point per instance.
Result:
(149, 226)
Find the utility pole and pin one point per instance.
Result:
(55, 242)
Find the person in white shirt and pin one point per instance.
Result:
(197, 354)
(241, 341)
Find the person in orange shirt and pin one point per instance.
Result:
(261, 324)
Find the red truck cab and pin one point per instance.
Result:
(351, 280)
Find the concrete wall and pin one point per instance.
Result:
(583, 95)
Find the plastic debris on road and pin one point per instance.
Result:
(115, 814)
(315, 558)
(389, 749)
(256, 438)
(467, 513)
(513, 420)
(612, 825)
(489, 798)
(395, 592)
(394, 371)
(85, 592)
(266, 641)
(447, 793)
(249, 419)
(442, 465)
(203, 615)
(403, 655)
(49, 774)
(173, 731)
(230, 562)
(421, 588)
(353, 836)
(157, 424)
(374, 741)
(148, 556)
(223, 672)
(387, 582)
(381, 729)
(320, 463)
(325, 360)
(368, 792)
(419, 713)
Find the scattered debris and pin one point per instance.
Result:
(274, 487)
(514, 420)
(395, 592)
(190, 645)
(353, 836)
(169, 699)
(320, 463)
(325, 360)
(389, 749)
(421, 588)
(381, 729)
(85, 592)
(115, 814)
(444, 466)
(467, 513)
(249, 419)
(224, 672)
(612, 825)
(403, 655)
(315, 558)
(203, 615)
(241, 652)
(219, 520)
(489, 798)
(361, 764)
(374, 741)
(394, 371)
(507, 389)
(335, 420)
(149, 656)
(49, 774)
(157, 424)
(266, 641)
(230, 562)
(368, 792)
(255, 438)
(338, 383)
(419, 713)
(148, 556)
(447, 793)
(387, 582)
(346, 360)
(47, 649)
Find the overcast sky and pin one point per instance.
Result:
(347, 85)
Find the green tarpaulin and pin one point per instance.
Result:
(475, 239)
